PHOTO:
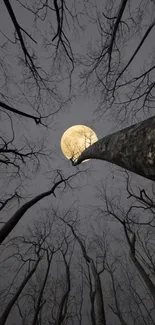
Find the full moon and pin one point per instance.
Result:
(76, 139)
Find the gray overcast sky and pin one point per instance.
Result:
(80, 111)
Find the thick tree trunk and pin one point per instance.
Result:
(132, 148)
(92, 299)
(100, 313)
(92, 309)
(11, 303)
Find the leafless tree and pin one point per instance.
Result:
(117, 309)
(140, 254)
(11, 223)
(97, 294)
(109, 70)
(127, 300)
(98, 249)
(33, 65)
(38, 247)
(28, 254)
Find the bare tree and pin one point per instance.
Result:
(108, 67)
(11, 223)
(100, 312)
(127, 300)
(39, 306)
(126, 219)
(28, 254)
(117, 310)
(33, 67)
(7, 310)
(48, 297)
(63, 306)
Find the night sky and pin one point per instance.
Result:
(70, 100)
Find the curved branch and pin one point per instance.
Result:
(16, 111)
(11, 223)
(136, 51)
(11, 303)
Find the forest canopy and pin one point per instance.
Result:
(77, 243)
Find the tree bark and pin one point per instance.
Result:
(132, 148)
(11, 303)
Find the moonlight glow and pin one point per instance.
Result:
(76, 139)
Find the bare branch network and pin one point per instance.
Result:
(67, 261)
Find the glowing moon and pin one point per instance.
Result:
(76, 139)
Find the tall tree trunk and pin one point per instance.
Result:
(35, 319)
(11, 223)
(100, 313)
(92, 309)
(132, 148)
(149, 284)
(92, 299)
(11, 303)
(118, 310)
(63, 303)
